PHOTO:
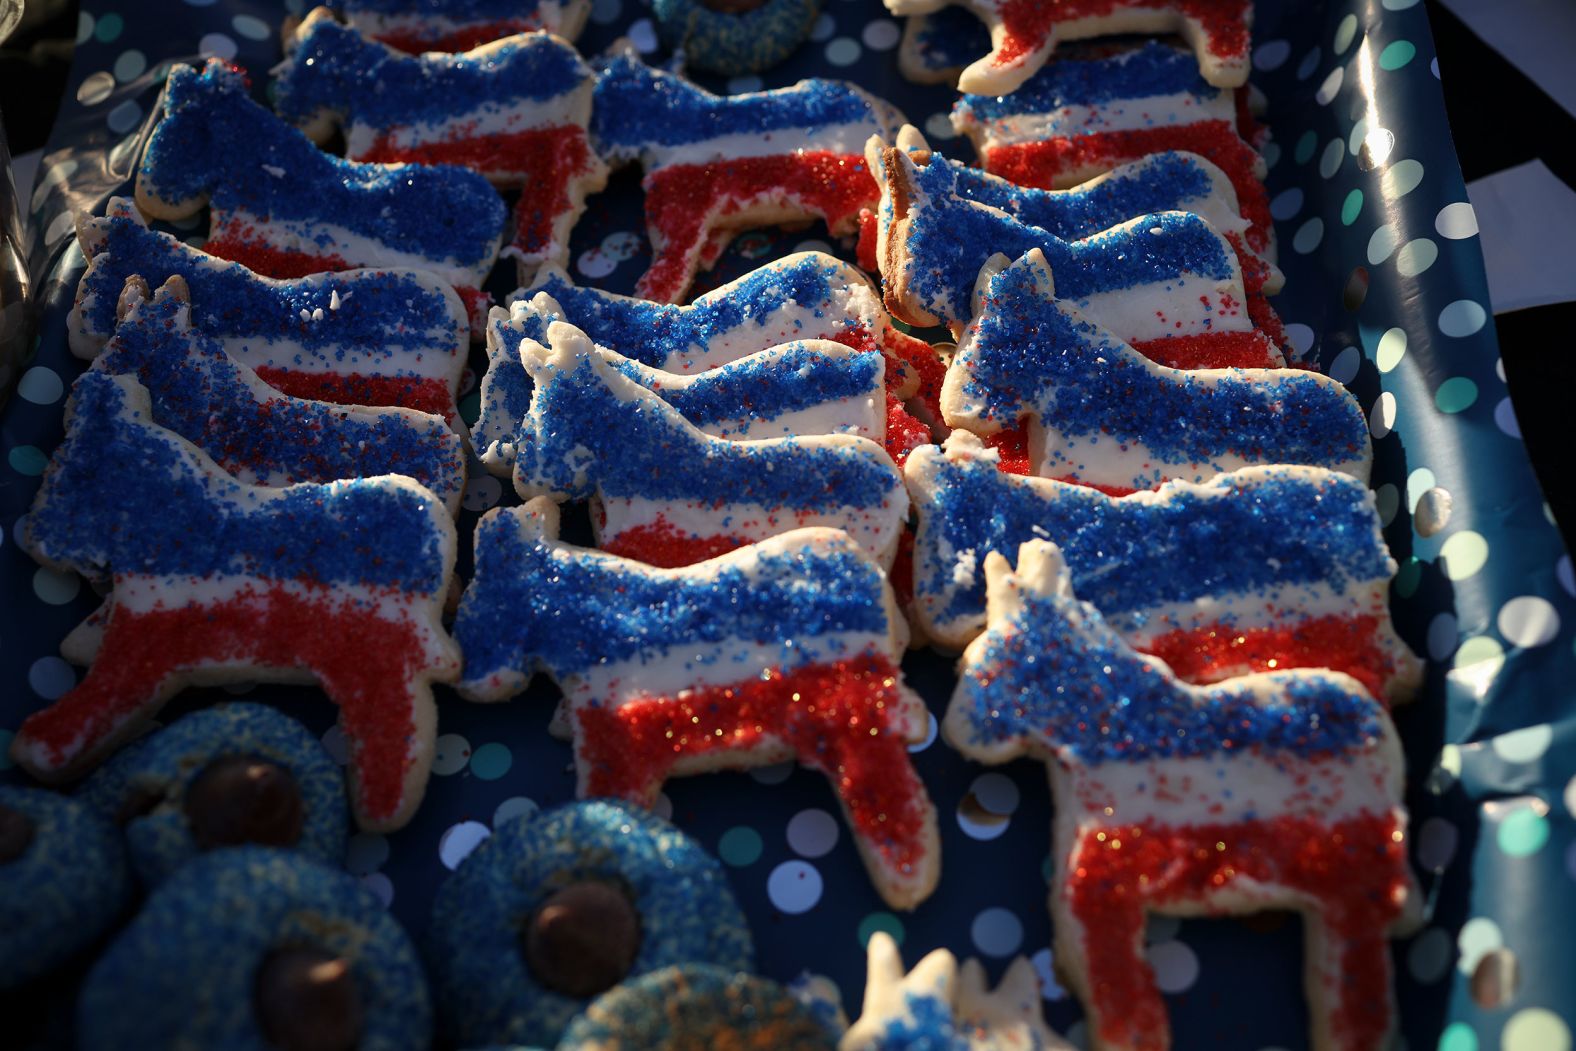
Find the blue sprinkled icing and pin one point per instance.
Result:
(1029, 355)
(1162, 182)
(1235, 538)
(384, 314)
(666, 336)
(1055, 672)
(638, 106)
(201, 393)
(335, 68)
(581, 437)
(950, 238)
(533, 601)
(457, 10)
(126, 496)
(1147, 71)
(927, 1026)
(214, 138)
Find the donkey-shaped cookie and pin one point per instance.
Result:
(1272, 791)
(459, 25)
(217, 581)
(786, 649)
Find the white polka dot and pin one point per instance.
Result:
(1301, 337)
(595, 263)
(1436, 844)
(1416, 257)
(1570, 796)
(1478, 936)
(794, 887)
(931, 727)
(55, 588)
(1309, 63)
(84, 27)
(457, 842)
(1354, 138)
(622, 244)
(216, 45)
(939, 126)
(61, 227)
(813, 246)
(997, 793)
(40, 386)
(1401, 178)
(512, 808)
(774, 774)
(1428, 957)
(96, 88)
(124, 117)
(1270, 55)
(251, 27)
(643, 34)
(1381, 421)
(1565, 574)
(451, 754)
(130, 65)
(1463, 554)
(337, 745)
(1345, 33)
(812, 833)
(1442, 636)
(381, 887)
(882, 34)
(482, 493)
(1286, 204)
(1433, 67)
(1346, 365)
(1175, 966)
(1505, 418)
(1526, 745)
(996, 932)
(1534, 1028)
(1398, 5)
(1456, 221)
(744, 85)
(843, 51)
(1462, 318)
(1308, 236)
(1528, 621)
(365, 853)
(1330, 160)
(1418, 483)
(50, 677)
(823, 29)
(1391, 349)
(1388, 500)
(1045, 970)
(1381, 244)
(55, 176)
(1330, 86)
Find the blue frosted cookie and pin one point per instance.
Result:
(735, 36)
(63, 881)
(697, 1008)
(556, 908)
(224, 776)
(252, 948)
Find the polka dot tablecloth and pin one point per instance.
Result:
(1385, 291)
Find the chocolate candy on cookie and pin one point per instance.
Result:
(252, 948)
(225, 776)
(556, 908)
(63, 881)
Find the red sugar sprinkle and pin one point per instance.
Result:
(1345, 644)
(660, 543)
(409, 392)
(1211, 350)
(1027, 23)
(238, 246)
(462, 39)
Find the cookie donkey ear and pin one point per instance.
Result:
(132, 296)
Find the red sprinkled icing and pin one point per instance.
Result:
(1027, 24)
(1013, 445)
(1346, 644)
(1353, 871)
(660, 543)
(366, 665)
(683, 201)
(1058, 162)
(923, 359)
(409, 392)
(462, 39)
(257, 255)
(477, 302)
(904, 434)
(901, 576)
(834, 717)
(1212, 350)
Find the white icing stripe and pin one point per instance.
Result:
(1157, 111)
(864, 416)
(289, 356)
(1286, 603)
(1181, 306)
(670, 673)
(321, 237)
(875, 530)
(846, 139)
(1109, 459)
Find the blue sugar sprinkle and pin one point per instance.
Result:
(214, 138)
(1153, 69)
(950, 239)
(927, 1026)
(125, 496)
(1057, 673)
(335, 68)
(638, 106)
(201, 393)
(641, 448)
(1030, 356)
(530, 602)
(1125, 555)
(385, 314)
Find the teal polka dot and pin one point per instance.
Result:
(108, 28)
(1408, 577)
(1458, 1036)
(1397, 55)
(1523, 832)
(1305, 147)
(1455, 394)
(27, 459)
(5, 749)
(880, 921)
(1351, 208)
(740, 846)
(491, 761)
